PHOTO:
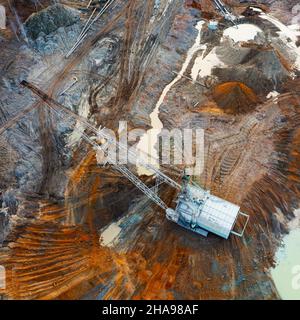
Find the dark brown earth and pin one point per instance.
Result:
(52, 249)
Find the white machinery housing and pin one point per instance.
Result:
(201, 212)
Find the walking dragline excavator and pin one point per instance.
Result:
(197, 210)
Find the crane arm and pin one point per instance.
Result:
(132, 155)
(62, 111)
(149, 192)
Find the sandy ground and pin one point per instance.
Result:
(60, 208)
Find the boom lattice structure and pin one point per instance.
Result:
(197, 210)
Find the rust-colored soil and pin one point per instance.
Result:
(235, 97)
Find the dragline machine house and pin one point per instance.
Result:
(202, 212)
(196, 210)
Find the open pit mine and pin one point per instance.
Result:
(149, 149)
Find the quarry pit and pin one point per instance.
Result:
(71, 229)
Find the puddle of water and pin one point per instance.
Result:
(256, 9)
(286, 274)
(110, 235)
(244, 32)
(273, 94)
(148, 141)
(203, 66)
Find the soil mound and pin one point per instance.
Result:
(235, 97)
(50, 19)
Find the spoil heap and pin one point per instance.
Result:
(235, 97)
(50, 19)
